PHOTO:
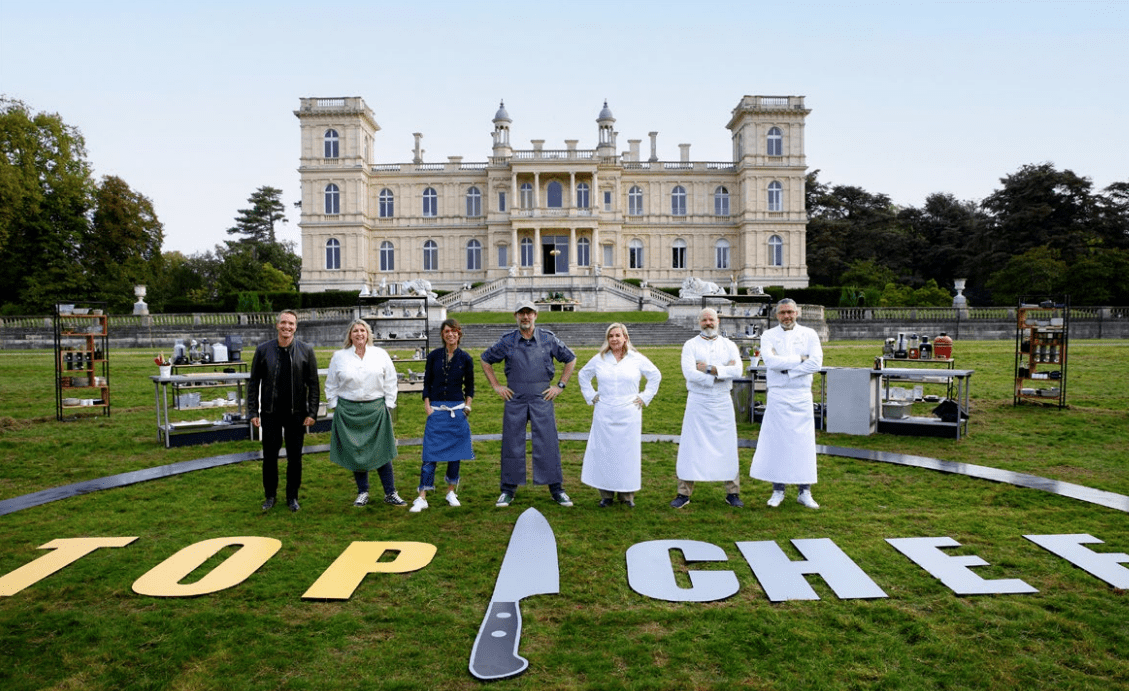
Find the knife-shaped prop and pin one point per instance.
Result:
(529, 568)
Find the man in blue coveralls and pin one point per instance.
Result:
(529, 352)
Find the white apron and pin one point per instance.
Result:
(707, 450)
(786, 446)
(612, 459)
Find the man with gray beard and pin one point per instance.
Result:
(707, 450)
(785, 452)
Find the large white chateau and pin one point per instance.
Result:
(552, 219)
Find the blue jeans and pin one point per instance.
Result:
(427, 475)
(779, 487)
(386, 479)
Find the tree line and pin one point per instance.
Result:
(65, 236)
(1043, 231)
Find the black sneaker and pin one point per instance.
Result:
(679, 501)
(394, 499)
(292, 504)
(504, 499)
(268, 504)
(605, 503)
(734, 500)
(562, 499)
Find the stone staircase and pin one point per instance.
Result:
(480, 336)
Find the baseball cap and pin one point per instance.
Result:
(525, 305)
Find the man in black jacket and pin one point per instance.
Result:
(284, 375)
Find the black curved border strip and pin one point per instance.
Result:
(1110, 500)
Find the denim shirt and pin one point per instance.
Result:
(456, 384)
(528, 360)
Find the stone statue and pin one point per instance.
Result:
(694, 287)
(513, 269)
(418, 286)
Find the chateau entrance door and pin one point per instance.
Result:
(554, 254)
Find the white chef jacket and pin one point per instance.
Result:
(786, 446)
(361, 379)
(707, 449)
(612, 459)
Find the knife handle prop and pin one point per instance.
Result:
(494, 655)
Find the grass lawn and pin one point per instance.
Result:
(85, 628)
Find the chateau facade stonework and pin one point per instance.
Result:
(540, 215)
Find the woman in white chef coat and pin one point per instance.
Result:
(613, 459)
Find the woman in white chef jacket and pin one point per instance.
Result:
(613, 459)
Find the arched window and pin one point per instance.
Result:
(332, 199)
(635, 254)
(387, 256)
(331, 144)
(526, 191)
(775, 251)
(583, 252)
(678, 254)
(775, 142)
(775, 196)
(387, 203)
(473, 255)
(721, 202)
(582, 195)
(473, 202)
(430, 256)
(430, 202)
(635, 201)
(678, 201)
(527, 252)
(553, 195)
(721, 254)
(332, 254)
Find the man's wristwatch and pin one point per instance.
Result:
(561, 384)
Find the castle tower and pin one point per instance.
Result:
(606, 122)
(502, 132)
(338, 142)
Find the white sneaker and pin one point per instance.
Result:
(806, 500)
(775, 499)
(361, 499)
(453, 499)
(418, 505)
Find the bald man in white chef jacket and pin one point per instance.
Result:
(707, 450)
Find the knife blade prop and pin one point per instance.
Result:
(529, 568)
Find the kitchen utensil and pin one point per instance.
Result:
(529, 568)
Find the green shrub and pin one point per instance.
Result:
(330, 298)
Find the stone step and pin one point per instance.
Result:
(579, 335)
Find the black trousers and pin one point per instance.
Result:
(275, 428)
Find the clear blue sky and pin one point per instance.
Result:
(192, 103)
